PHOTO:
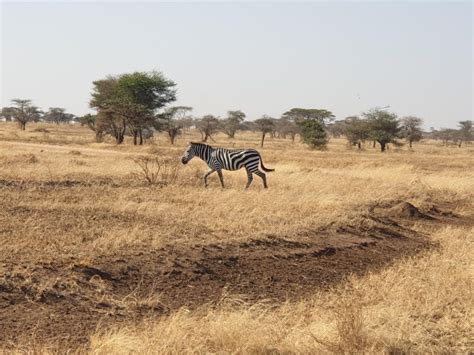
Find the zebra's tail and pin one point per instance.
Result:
(263, 166)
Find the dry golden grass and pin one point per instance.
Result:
(420, 305)
(74, 198)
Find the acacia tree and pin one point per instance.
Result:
(298, 115)
(265, 125)
(356, 130)
(208, 126)
(383, 126)
(232, 123)
(411, 129)
(172, 121)
(133, 98)
(24, 112)
(56, 115)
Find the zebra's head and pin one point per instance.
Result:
(189, 153)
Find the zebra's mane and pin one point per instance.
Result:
(200, 144)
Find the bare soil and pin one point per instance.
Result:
(66, 300)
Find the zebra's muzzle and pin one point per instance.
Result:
(184, 161)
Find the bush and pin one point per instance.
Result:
(156, 170)
(314, 134)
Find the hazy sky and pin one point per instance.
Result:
(260, 57)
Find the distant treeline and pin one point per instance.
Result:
(138, 104)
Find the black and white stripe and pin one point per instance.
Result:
(228, 159)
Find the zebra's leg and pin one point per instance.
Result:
(221, 178)
(206, 175)
(264, 178)
(249, 178)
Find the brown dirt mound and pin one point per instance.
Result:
(65, 301)
(407, 210)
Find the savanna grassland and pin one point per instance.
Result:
(347, 251)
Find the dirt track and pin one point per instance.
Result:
(80, 297)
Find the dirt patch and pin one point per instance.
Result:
(66, 300)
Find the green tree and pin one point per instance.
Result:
(298, 115)
(411, 129)
(232, 123)
(383, 127)
(265, 125)
(25, 112)
(133, 97)
(356, 130)
(313, 133)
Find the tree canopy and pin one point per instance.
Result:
(24, 111)
(134, 98)
(383, 126)
(411, 129)
(300, 114)
(232, 123)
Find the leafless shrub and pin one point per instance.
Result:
(350, 330)
(156, 170)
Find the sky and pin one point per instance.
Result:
(259, 57)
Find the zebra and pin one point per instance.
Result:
(228, 159)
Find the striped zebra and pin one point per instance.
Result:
(228, 159)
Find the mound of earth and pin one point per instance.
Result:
(407, 210)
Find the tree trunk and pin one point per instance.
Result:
(460, 142)
(359, 146)
(373, 146)
(140, 133)
(382, 146)
(98, 136)
(135, 135)
(410, 144)
(22, 125)
(263, 138)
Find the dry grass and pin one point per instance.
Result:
(63, 196)
(420, 305)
